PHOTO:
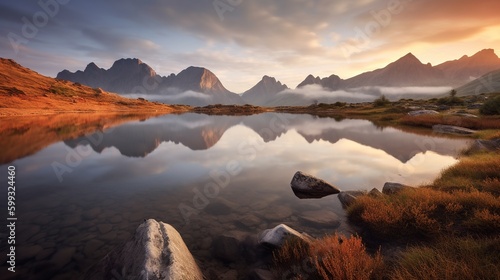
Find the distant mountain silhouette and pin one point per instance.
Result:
(200, 132)
(132, 76)
(199, 86)
(487, 83)
(410, 71)
(468, 68)
(263, 91)
(404, 72)
(333, 82)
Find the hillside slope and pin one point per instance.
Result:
(25, 92)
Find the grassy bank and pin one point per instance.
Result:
(445, 230)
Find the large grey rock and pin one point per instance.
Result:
(348, 197)
(277, 236)
(423, 112)
(485, 145)
(156, 251)
(450, 129)
(375, 193)
(307, 186)
(392, 188)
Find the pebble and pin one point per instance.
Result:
(250, 220)
(278, 213)
(92, 213)
(91, 247)
(104, 228)
(24, 253)
(45, 253)
(63, 256)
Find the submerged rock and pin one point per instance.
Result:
(277, 236)
(392, 188)
(227, 247)
(450, 129)
(320, 218)
(307, 186)
(348, 197)
(156, 251)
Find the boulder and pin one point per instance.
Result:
(392, 188)
(277, 236)
(348, 197)
(307, 186)
(450, 129)
(423, 112)
(485, 145)
(375, 193)
(156, 251)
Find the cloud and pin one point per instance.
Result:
(287, 39)
(364, 94)
(173, 95)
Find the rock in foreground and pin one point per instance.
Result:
(156, 252)
(392, 188)
(348, 197)
(277, 236)
(307, 186)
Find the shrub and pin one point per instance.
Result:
(491, 106)
(332, 257)
(381, 101)
(451, 258)
(424, 213)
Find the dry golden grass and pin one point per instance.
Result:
(451, 259)
(472, 123)
(25, 92)
(427, 213)
(332, 257)
(475, 172)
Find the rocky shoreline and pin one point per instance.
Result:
(157, 250)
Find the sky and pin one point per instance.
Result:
(243, 40)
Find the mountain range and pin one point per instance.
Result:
(132, 76)
(199, 86)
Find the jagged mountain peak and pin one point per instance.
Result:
(409, 58)
(128, 61)
(486, 55)
(91, 67)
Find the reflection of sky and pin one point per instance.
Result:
(345, 163)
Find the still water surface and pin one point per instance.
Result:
(205, 175)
